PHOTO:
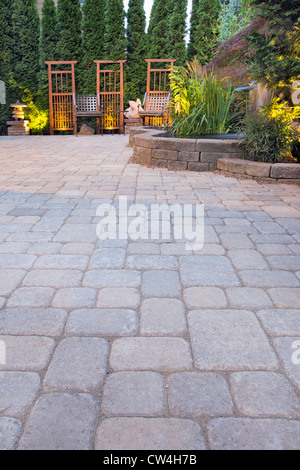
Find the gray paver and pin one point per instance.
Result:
(161, 317)
(228, 340)
(78, 364)
(253, 434)
(9, 432)
(161, 283)
(17, 392)
(56, 278)
(31, 297)
(158, 354)
(288, 349)
(74, 297)
(134, 394)
(206, 297)
(149, 434)
(199, 394)
(32, 321)
(108, 258)
(112, 278)
(30, 353)
(61, 421)
(264, 394)
(207, 271)
(10, 279)
(123, 297)
(102, 322)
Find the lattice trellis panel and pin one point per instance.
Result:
(110, 89)
(61, 95)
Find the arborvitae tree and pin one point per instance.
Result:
(136, 50)
(25, 32)
(236, 15)
(69, 46)
(5, 64)
(114, 39)
(48, 44)
(177, 31)
(92, 40)
(48, 39)
(159, 45)
(192, 52)
(276, 60)
(207, 30)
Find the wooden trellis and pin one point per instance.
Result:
(110, 90)
(61, 96)
(157, 94)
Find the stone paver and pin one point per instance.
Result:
(61, 421)
(9, 431)
(264, 394)
(78, 364)
(144, 344)
(228, 340)
(161, 317)
(199, 394)
(149, 434)
(160, 354)
(102, 322)
(17, 392)
(32, 321)
(253, 434)
(30, 353)
(134, 394)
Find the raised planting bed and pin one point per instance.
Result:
(275, 171)
(153, 148)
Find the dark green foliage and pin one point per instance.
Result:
(48, 44)
(177, 31)
(158, 34)
(69, 46)
(92, 40)
(25, 33)
(277, 54)
(207, 30)
(136, 66)
(192, 52)
(114, 39)
(268, 135)
(5, 63)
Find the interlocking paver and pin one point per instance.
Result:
(264, 394)
(122, 297)
(9, 432)
(158, 354)
(17, 392)
(134, 394)
(103, 323)
(280, 322)
(30, 353)
(32, 321)
(78, 364)
(149, 434)
(228, 340)
(206, 297)
(161, 283)
(60, 421)
(199, 394)
(253, 434)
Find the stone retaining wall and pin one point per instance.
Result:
(278, 171)
(152, 148)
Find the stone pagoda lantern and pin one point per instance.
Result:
(19, 126)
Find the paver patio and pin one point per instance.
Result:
(144, 345)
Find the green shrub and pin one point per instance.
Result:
(201, 102)
(268, 134)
